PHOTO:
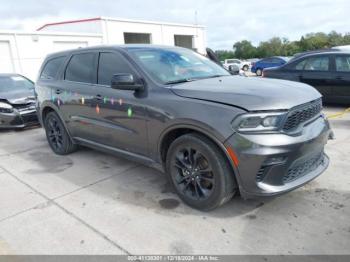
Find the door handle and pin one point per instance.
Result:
(58, 91)
(98, 97)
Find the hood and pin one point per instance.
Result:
(250, 93)
(18, 96)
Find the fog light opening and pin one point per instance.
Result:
(275, 161)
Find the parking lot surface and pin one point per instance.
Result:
(93, 203)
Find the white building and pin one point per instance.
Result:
(23, 52)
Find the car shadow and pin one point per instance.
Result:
(120, 180)
(135, 184)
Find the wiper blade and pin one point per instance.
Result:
(215, 76)
(184, 80)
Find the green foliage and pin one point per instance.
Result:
(277, 46)
(224, 54)
(244, 49)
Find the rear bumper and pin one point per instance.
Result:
(271, 164)
(18, 120)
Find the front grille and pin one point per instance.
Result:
(24, 107)
(302, 114)
(261, 173)
(304, 168)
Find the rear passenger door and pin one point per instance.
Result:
(341, 87)
(76, 94)
(120, 114)
(316, 72)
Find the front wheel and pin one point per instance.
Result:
(199, 172)
(259, 72)
(57, 136)
(245, 68)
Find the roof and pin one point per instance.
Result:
(317, 52)
(47, 33)
(126, 46)
(117, 20)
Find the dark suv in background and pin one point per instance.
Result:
(212, 133)
(328, 71)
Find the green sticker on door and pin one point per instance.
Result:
(129, 112)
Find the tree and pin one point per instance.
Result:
(277, 46)
(244, 49)
(224, 54)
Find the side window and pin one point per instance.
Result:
(81, 68)
(320, 63)
(300, 65)
(342, 63)
(109, 65)
(51, 68)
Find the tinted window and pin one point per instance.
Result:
(233, 61)
(51, 68)
(320, 63)
(342, 63)
(300, 65)
(81, 68)
(109, 65)
(276, 60)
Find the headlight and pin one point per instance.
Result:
(259, 122)
(5, 108)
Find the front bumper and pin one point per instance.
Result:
(18, 119)
(270, 164)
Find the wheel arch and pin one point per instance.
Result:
(176, 131)
(47, 108)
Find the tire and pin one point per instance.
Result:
(258, 72)
(245, 68)
(57, 136)
(199, 172)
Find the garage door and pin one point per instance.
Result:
(6, 62)
(65, 45)
(137, 38)
(184, 41)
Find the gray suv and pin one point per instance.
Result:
(213, 134)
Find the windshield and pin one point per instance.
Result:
(14, 83)
(176, 65)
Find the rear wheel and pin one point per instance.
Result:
(258, 72)
(199, 172)
(57, 136)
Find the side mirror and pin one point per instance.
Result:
(233, 69)
(125, 82)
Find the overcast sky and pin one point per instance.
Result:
(227, 21)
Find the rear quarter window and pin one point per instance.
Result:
(51, 68)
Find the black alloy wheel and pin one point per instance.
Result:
(194, 174)
(199, 172)
(57, 136)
